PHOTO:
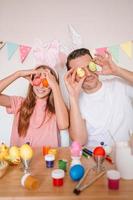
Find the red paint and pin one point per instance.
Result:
(57, 182)
(113, 184)
(58, 177)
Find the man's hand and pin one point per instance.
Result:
(74, 87)
(107, 64)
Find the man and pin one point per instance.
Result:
(100, 111)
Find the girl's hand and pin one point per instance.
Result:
(107, 64)
(50, 78)
(27, 73)
(74, 88)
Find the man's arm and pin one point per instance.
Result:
(125, 74)
(77, 130)
(110, 68)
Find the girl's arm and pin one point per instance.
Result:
(4, 83)
(60, 107)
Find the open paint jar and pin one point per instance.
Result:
(49, 158)
(29, 182)
(58, 177)
(113, 179)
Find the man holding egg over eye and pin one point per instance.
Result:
(98, 108)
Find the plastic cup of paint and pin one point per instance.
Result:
(62, 164)
(45, 150)
(58, 177)
(49, 158)
(29, 182)
(113, 179)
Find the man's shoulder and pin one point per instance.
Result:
(114, 81)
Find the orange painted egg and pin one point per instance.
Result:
(45, 82)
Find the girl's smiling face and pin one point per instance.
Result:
(38, 87)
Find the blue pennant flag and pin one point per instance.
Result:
(11, 48)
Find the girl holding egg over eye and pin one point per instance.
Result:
(39, 117)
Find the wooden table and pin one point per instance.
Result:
(10, 187)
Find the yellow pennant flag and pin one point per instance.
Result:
(127, 48)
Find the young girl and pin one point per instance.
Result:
(38, 117)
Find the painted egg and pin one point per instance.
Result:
(26, 152)
(76, 172)
(92, 66)
(99, 151)
(80, 72)
(45, 82)
(36, 81)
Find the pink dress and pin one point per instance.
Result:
(42, 131)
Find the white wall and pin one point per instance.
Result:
(99, 22)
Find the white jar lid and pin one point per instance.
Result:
(49, 157)
(58, 173)
(113, 174)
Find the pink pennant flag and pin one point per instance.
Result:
(101, 51)
(24, 51)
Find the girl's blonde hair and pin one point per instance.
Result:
(29, 103)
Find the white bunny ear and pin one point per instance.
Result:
(76, 38)
(46, 53)
(38, 51)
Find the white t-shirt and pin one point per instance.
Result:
(108, 112)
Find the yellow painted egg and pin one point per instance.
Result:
(14, 153)
(80, 72)
(26, 152)
(92, 66)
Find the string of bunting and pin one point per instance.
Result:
(24, 50)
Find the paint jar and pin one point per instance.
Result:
(113, 179)
(62, 164)
(52, 151)
(29, 182)
(58, 177)
(49, 158)
(45, 150)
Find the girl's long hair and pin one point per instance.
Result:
(29, 103)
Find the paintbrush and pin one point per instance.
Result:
(79, 189)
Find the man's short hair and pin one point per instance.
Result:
(77, 53)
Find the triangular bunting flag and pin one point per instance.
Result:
(24, 51)
(11, 48)
(114, 50)
(101, 50)
(2, 44)
(127, 48)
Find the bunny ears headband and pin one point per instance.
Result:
(51, 53)
(46, 54)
